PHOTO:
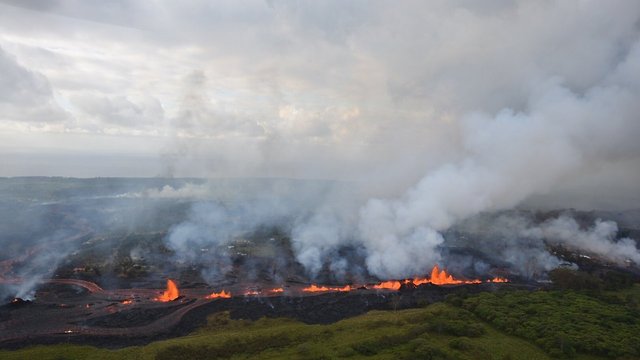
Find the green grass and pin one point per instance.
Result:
(439, 331)
(564, 323)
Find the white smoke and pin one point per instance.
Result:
(599, 240)
(508, 158)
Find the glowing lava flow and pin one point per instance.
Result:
(221, 295)
(171, 293)
(315, 288)
(388, 285)
(276, 291)
(438, 277)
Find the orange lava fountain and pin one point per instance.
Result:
(442, 278)
(221, 295)
(171, 293)
(498, 280)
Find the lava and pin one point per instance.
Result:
(438, 277)
(126, 302)
(388, 285)
(442, 278)
(276, 291)
(171, 293)
(221, 295)
(315, 288)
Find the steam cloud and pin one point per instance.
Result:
(508, 158)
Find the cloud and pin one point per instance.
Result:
(120, 110)
(25, 95)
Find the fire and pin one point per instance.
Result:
(498, 279)
(171, 293)
(221, 295)
(126, 302)
(276, 291)
(315, 288)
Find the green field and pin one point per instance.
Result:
(503, 325)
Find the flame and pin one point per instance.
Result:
(315, 288)
(171, 293)
(126, 302)
(498, 279)
(221, 295)
(276, 291)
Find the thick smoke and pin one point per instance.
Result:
(508, 158)
(524, 243)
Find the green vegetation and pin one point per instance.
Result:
(564, 323)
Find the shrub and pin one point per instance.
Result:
(461, 343)
(429, 352)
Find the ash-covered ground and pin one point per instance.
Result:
(86, 260)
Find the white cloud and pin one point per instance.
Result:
(26, 95)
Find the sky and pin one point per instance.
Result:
(538, 99)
